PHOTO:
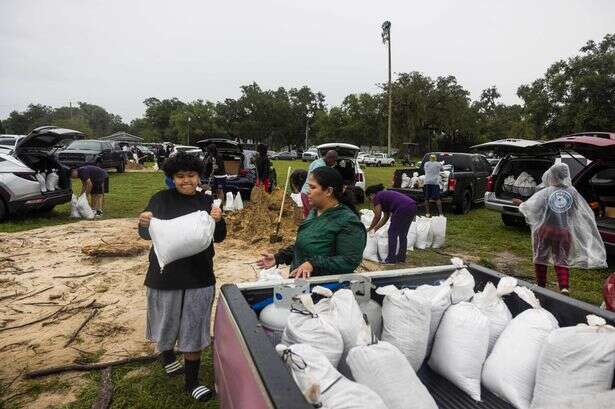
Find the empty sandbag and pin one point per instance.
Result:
(383, 368)
(406, 316)
(181, 237)
(490, 302)
(229, 204)
(460, 347)
(576, 361)
(307, 326)
(238, 202)
(510, 369)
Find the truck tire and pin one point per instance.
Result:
(513, 221)
(121, 168)
(465, 203)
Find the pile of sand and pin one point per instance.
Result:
(257, 221)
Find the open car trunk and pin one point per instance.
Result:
(231, 153)
(535, 167)
(46, 162)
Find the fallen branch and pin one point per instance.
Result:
(28, 295)
(76, 276)
(83, 324)
(105, 394)
(6, 297)
(35, 321)
(88, 367)
(41, 303)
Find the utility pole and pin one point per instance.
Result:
(70, 109)
(386, 39)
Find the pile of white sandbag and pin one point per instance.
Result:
(80, 207)
(405, 181)
(508, 184)
(232, 203)
(430, 232)
(524, 185)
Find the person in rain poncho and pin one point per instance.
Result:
(564, 231)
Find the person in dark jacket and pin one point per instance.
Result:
(263, 164)
(400, 209)
(332, 238)
(179, 301)
(215, 173)
(95, 183)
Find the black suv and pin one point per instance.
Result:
(103, 154)
(463, 180)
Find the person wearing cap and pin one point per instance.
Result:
(329, 160)
(431, 189)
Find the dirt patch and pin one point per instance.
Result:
(44, 275)
(507, 263)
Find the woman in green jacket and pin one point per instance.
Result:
(331, 239)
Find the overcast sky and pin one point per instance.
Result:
(116, 53)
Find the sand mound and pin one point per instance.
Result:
(257, 221)
(120, 247)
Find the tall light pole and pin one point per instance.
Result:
(188, 138)
(386, 39)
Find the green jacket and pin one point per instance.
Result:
(332, 242)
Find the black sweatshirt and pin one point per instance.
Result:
(191, 272)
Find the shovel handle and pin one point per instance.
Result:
(284, 197)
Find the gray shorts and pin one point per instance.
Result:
(179, 316)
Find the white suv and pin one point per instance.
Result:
(347, 164)
(379, 159)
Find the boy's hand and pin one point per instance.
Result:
(145, 218)
(216, 213)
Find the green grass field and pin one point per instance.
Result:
(479, 235)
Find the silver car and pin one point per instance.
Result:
(8, 142)
(20, 191)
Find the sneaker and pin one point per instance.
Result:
(98, 214)
(174, 369)
(564, 291)
(201, 393)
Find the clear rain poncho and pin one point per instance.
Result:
(564, 231)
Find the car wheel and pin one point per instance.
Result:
(3, 211)
(513, 221)
(465, 205)
(121, 168)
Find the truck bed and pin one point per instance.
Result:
(273, 378)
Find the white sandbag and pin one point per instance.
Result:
(423, 228)
(405, 181)
(346, 394)
(40, 177)
(411, 237)
(270, 274)
(421, 181)
(367, 216)
(371, 247)
(296, 198)
(576, 361)
(155, 168)
(510, 369)
(309, 327)
(74, 211)
(310, 369)
(181, 237)
(603, 400)
(460, 347)
(438, 229)
(238, 202)
(414, 181)
(439, 297)
(384, 369)
(406, 316)
(490, 302)
(52, 182)
(383, 241)
(229, 204)
(342, 310)
(461, 282)
(508, 184)
(83, 207)
(217, 203)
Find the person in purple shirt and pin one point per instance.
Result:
(401, 210)
(95, 183)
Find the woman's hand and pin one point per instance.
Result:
(216, 213)
(303, 271)
(145, 218)
(267, 261)
(517, 202)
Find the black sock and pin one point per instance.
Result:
(168, 357)
(192, 374)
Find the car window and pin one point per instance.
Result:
(107, 145)
(460, 162)
(7, 141)
(85, 145)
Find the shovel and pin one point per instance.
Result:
(275, 237)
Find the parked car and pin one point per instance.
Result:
(146, 154)
(20, 191)
(8, 142)
(378, 159)
(348, 166)
(93, 152)
(310, 155)
(464, 184)
(287, 155)
(596, 181)
(193, 150)
(249, 373)
(517, 156)
(241, 176)
(361, 157)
